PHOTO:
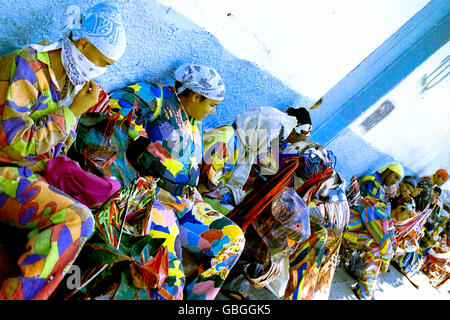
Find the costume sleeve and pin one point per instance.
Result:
(25, 87)
(140, 102)
(376, 220)
(369, 189)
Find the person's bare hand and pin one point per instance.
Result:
(85, 99)
(368, 201)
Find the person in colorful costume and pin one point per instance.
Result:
(44, 89)
(167, 143)
(313, 264)
(373, 185)
(404, 187)
(230, 151)
(369, 215)
(371, 232)
(428, 198)
(437, 264)
(231, 154)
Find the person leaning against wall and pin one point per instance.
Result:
(231, 150)
(44, 89)
(166, 143)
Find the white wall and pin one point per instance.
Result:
(309, 45)
(417, 131)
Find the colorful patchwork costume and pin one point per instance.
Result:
(371, 231)
(166, 144)
(35, 125)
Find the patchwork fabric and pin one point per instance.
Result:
(371, 232)
(34, 126)
(133, 230)
(222, 150)
(173, 149)
(372, 186)
(208, 233)
(59, 226)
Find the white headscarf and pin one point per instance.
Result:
(200, 79)
(102, 26)
(257, 128)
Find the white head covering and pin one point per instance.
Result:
(257, 128)
(200, 79)
(103, 27)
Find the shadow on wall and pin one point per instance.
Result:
(159, 40)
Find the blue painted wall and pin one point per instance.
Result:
(159, 40)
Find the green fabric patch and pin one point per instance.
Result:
(59, 217)
(42, 245)
(50, 261)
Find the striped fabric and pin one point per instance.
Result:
(372, 186)
(370, 231)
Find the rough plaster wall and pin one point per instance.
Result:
(159, 40)
(308, 45)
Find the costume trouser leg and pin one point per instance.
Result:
(59, 226)
(165, 226)
(305, 264)
(371, 261)
(369, 273)
(206, 232)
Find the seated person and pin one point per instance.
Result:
(373, 185)
(44, 89)
(303, 129)
(166, 142)
(371, 233)
(427, 183)
(405, 187)
(231, 150)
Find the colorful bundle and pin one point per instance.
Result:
(255, 202)
(120, 245)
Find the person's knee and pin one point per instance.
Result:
(236, 235)
(84, 218)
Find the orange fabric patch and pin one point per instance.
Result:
(4, 85)
(42, 80)
(212, 235)
(32, 270)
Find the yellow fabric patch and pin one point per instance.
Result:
(4, 85)
(234, 232)
(135, 87)
(42, 80)
(169, 239)
(173, 166)
(11, 286)
(23, 93)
